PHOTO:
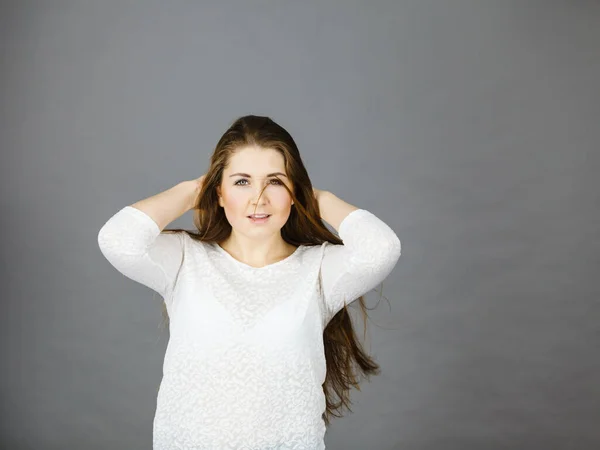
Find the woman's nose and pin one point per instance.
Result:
(257, 191)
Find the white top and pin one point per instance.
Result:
(245, 365)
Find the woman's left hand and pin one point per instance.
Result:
(318, 193)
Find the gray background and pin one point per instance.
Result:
(470, 127)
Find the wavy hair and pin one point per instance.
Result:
(345, 358)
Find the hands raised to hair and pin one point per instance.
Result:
(196, 187)
(317, 193)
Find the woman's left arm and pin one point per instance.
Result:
(333, 209)
(369, 252)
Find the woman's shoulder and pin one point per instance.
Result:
(191, 243)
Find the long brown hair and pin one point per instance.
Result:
(343, 352)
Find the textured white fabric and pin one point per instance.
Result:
(245, 364)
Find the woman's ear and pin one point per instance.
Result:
(219, 195)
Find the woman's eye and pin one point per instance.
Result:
(277, 182)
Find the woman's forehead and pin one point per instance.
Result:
(256, 162)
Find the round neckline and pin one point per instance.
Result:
(247, 266)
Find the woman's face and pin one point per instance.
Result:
(248, 171)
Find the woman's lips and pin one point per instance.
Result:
(259, 220)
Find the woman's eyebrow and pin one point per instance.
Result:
(250, 176)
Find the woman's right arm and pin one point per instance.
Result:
(133, 242)
(169, 205)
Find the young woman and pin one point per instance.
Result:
(260, 337)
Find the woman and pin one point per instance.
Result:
(260, 337)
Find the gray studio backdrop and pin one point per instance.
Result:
(470, 127)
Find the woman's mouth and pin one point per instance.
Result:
(259, 218)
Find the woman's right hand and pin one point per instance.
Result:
(197, 184)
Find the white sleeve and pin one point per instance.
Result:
(132, 242)
(370, 251)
